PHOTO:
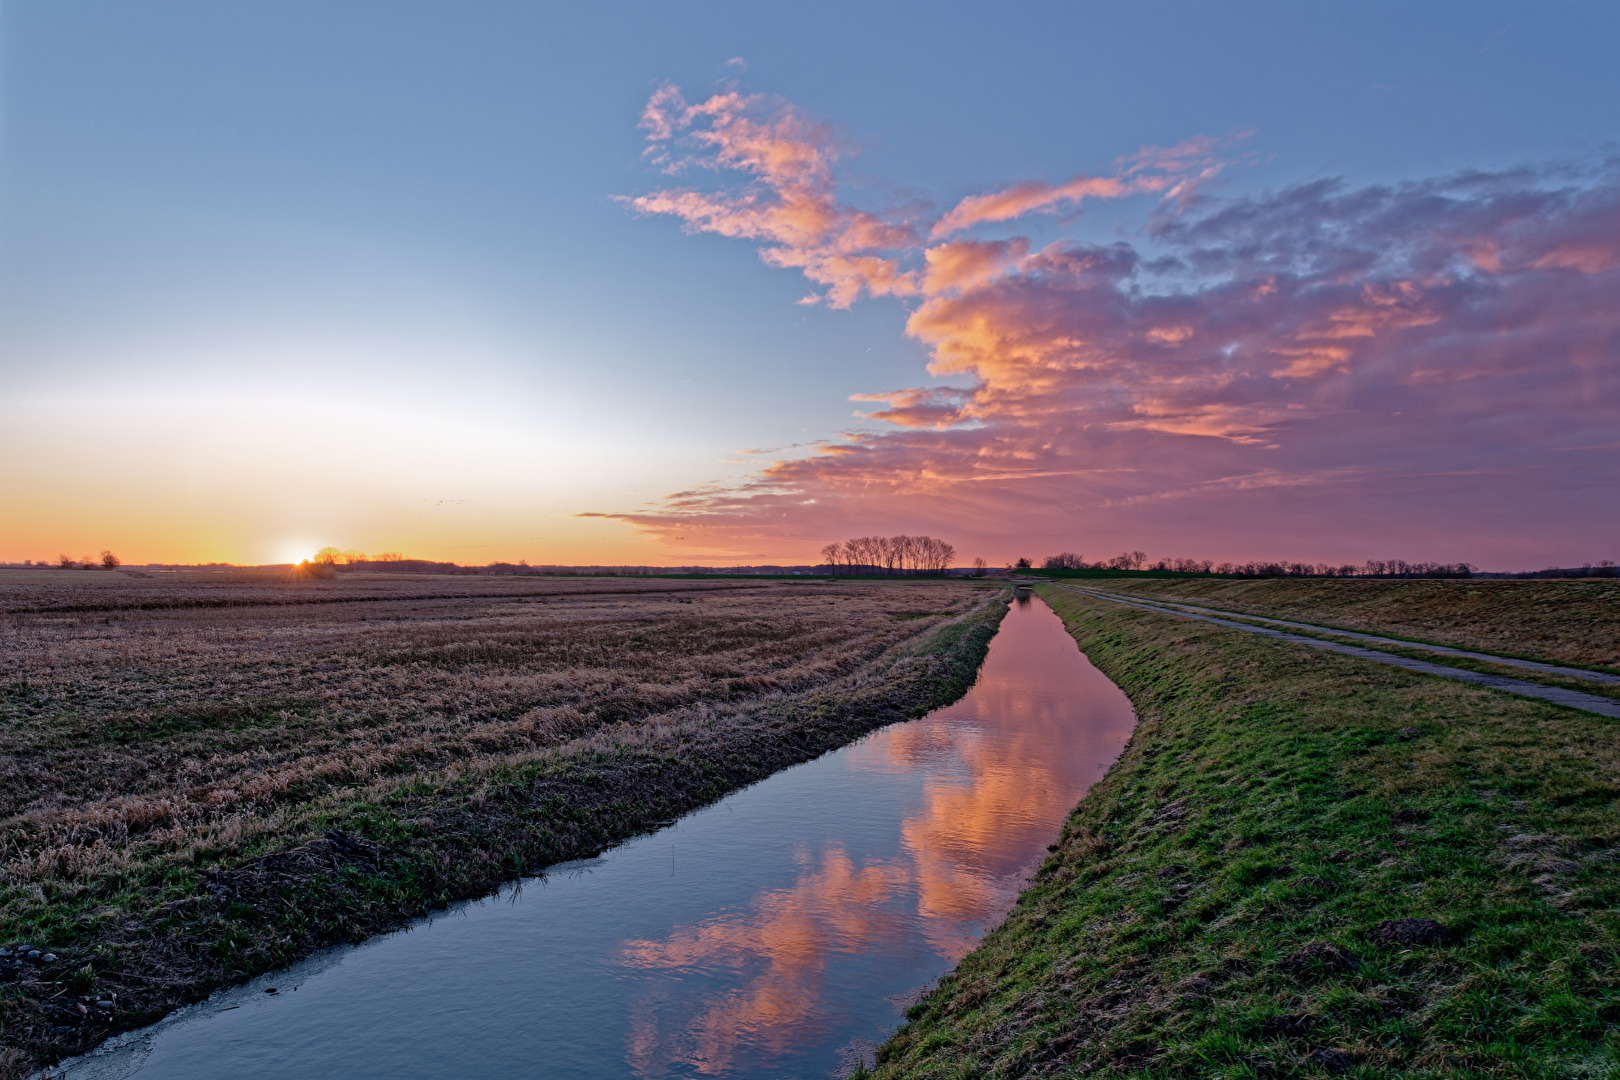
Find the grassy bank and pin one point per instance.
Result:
(1482, 662)
(1304, 864)
(196, 794)
(1563, 621)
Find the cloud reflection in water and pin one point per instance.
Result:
(999, 770)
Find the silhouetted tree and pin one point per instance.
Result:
(110, 561)
(891, 555)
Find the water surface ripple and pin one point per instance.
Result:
(779, 933)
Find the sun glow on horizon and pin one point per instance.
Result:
(295, 552)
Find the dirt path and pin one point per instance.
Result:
(1445, 650)
(1573, 699)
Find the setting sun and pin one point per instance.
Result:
(295, 553)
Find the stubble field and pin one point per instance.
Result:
(206, 775)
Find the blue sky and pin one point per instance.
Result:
(249, 212)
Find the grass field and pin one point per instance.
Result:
(1597, 620)
(1562, 621)
(1309, 864)
(207, 775)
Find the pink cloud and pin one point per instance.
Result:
(1317, 372)
(929, 407)
(1173, 172)
(788, 200)
(967, 262)
(1020, 199)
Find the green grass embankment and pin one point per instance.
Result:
(1415, 651)
(1570, 621)
(1303, 864)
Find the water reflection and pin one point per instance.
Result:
(1001, 769)
(778, 951)
(756, 938)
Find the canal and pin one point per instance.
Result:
(781, 932)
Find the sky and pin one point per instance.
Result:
(716, 283)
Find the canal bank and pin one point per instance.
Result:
(1304, 863)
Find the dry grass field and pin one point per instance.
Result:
(206, 775)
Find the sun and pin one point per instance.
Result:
(295, 552)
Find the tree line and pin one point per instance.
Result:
(1383, 568)
(889, 555)
(67, 562)
(1068, 560)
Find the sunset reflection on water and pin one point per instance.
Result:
(995, 774)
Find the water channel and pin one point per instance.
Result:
(781, 932)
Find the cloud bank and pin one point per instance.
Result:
(1323, 371)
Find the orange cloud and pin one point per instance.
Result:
(967, 262)
(932, 407)
(790, 204)
(1450, 327)
(1591, 257)
(1171, 171)
(1020, 199)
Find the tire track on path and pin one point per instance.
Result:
(1445, 650)
(1572, 699)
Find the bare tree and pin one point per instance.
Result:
(979, 566)
(831, 554)
(855, 555)
(933, 556)
(892, 554)
(110, 561)
(65, 561)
